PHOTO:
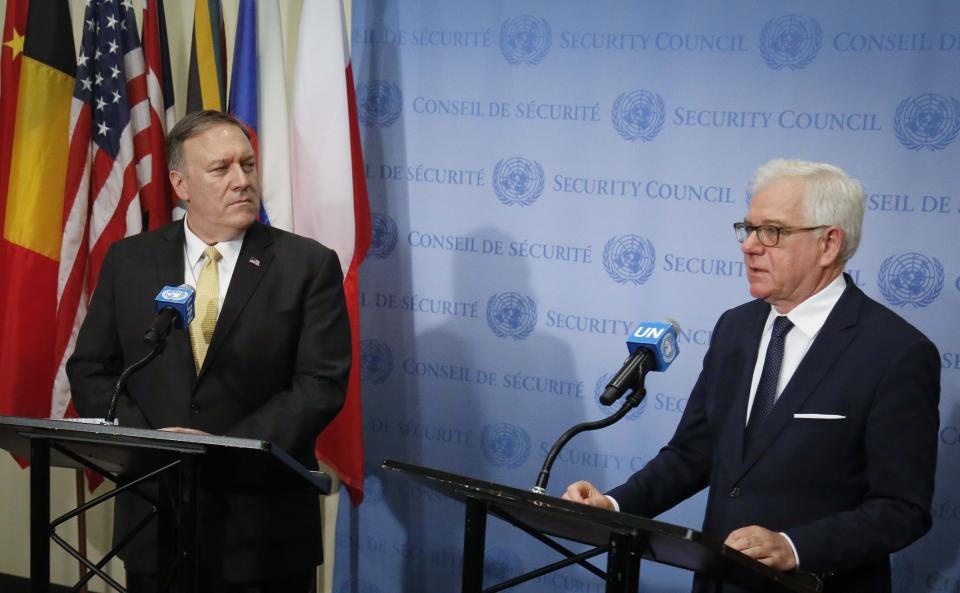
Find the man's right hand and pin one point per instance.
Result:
(586, 493)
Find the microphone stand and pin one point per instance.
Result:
(633, 400)
(122, 381)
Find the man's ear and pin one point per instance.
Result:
(831, 244)
(179, 184)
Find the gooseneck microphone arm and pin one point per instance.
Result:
(122, 381)
(633, 400)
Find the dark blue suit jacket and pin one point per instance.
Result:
(849, 491)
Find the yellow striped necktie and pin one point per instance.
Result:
(207, 298)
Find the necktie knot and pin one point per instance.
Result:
(212, 254)
(781, 326)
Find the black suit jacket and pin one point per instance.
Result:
(848, 492)
(276, 370)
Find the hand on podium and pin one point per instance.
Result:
(768, 547)
(180, 429)
(586, 493)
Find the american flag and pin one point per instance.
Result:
(110, 161)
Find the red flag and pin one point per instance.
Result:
(330, 198)
(156, 197)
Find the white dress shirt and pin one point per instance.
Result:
(193, 260)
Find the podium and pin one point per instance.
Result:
(626, 539)
(186, 461)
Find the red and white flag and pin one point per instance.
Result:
(330, 197)
(109, 161)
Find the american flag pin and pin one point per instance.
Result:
(255, 261)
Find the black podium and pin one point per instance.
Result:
(626, 539)
(185, 461)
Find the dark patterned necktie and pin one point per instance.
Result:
(766, 396)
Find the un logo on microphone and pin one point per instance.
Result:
(517, 181)
(910, 279)
(376, 361)
(629, 258)
(379, 103)
(511, 315)
(598, 389)
(790, 41)
(383, 235)
(638, 115)
(525, 39)
(505, 445)
(927, 121)
(501, 564)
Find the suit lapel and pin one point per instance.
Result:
(252, 263)
(170, 266)
(833, 339)
(731, 448)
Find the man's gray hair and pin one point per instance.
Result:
(831, 197)
(192, 125)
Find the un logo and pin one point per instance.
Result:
(378, 103)
(376, 361)
(517, 181)
(629, 258)
(901, 572)
(910, 279)
(791, 41)
(505, 445)
(524, 39)
(638, 115)
(501, 564)
(383, 235)
(511, 315)
(602, 382)
(928, 121)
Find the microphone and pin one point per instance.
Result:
(653, 347)
(174, 306)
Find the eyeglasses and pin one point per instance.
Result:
(768, 234)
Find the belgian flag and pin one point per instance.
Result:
(34, 138)
(207, 77)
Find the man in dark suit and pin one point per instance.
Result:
(267, 356)
(814, 420)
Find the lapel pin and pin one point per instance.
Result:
(255, 261)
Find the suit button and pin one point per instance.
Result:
(195, 408)
(735, 492)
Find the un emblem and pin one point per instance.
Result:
(378, 103)
(638, 115)
(790, 41)
(505, 445)
(517, 181)
(911, 279)
(607, 410)
(928, 121)
(501, 564)
(524, 39)
(383, 235)
(376, 361)
(511, 315)
(629, 258)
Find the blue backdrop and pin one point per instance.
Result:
(545, 174)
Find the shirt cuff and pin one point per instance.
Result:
(796, 556)
(616, 506)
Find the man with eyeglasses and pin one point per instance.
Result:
(814, 420)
